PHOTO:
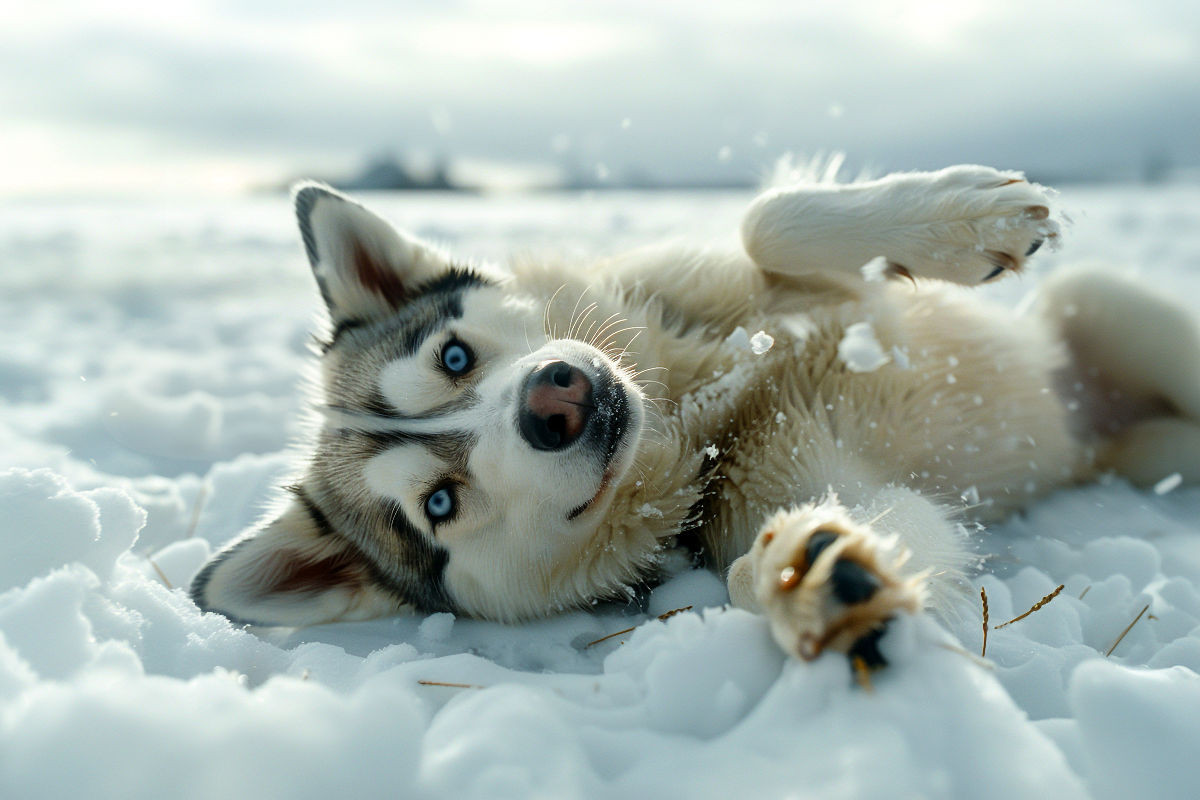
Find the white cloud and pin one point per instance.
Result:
(917, 83)
(539, 43)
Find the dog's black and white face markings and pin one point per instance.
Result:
(460, 444)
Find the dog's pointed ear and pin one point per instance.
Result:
(294, 571)
(364, 267)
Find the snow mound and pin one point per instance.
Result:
(113, 684)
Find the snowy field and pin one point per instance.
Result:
(149, 387)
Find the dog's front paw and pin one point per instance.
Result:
(982, 223)
(826, 583)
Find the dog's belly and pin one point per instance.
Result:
(965, 407)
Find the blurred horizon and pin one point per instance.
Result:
(216, 96)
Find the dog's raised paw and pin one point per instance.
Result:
(826, 583)
(993, 221)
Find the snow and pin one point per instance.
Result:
(761, 342)
(1169, 483)
(188, 324)
(874, 270)
(859, 350)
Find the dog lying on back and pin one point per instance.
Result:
(507, 442)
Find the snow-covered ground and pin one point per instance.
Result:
(149, 385)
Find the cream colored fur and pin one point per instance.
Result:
(963, 422)
(780, 392)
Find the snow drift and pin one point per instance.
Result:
(149, 400)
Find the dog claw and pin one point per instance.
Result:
(808, 647)
(789, 578)
(1002, 260)
(895, 270)
(866, 649)
(1034, 247)
(994, 274)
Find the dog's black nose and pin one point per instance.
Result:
(555, 407)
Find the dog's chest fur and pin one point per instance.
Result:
(739, 432)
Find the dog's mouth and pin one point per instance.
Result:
(579, 511)
(614, 426)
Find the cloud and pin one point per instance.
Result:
(917, 84)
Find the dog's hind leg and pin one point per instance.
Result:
(1155, 450)
(1134, 375)
(830, 578)
(964, 224)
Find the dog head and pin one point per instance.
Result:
(464, 455)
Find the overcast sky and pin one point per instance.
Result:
(217, 94)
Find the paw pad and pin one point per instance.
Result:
(830, 585)
(791, 575)
(852, 583)
(817, 544)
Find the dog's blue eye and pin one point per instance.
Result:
(439, 505)
(456, 357)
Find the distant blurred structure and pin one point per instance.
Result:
(575, 177)
(386, 172)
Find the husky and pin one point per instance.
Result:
(817, 414)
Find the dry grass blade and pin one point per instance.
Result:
(673, 612)
(162, 575)
(1128, 628)
(664, 615)
(1039, 604)
(862, 674)
(974, 659)
(609, 636)
(451, 685)
(197, 507)
(1086, 589)
(983, 597)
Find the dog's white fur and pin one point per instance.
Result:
(766, 446)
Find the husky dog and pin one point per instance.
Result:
(818, 413)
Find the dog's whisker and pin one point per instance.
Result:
(528, 344)
(583, 317)
(575, 309)
(626, 350)
(644, 370)
(575, 312)
(615, 334)
(612, 336)
(577, 327)
(654, 401)
(547, 325)
(590, 337)
(654, 383)
(613, 319)
(586, 337)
